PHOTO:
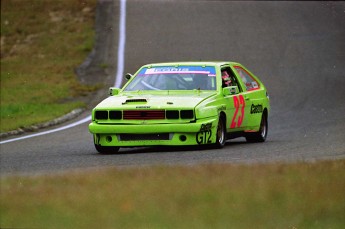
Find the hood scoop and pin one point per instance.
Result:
(135, 101)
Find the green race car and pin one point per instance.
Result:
(182, 103)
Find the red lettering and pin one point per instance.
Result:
(238, 102)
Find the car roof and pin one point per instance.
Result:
(196, 63)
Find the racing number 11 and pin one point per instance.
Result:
(238, 103)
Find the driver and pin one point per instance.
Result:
(226, 80)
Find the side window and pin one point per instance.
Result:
(250, 83)
(228, 78)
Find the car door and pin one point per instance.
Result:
(236, 105)
(252, 101)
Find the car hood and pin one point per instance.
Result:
(163, 100)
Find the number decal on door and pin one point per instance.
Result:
(238, 118)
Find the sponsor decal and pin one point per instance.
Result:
(167, 69)
(204, 137)
(206, 127)
(255, 84)
(145, 107)
(255, 109)
(205, 134)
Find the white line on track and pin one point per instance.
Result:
(118, 79)
(87, 119)
(122, 44)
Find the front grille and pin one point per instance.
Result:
(143, 137)
(187, 114)
(172, 114)
(143, 114)
(101, 115)
(115, 115)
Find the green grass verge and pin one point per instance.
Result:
(298, 195)
(42, 42)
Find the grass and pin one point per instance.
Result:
(297, 195)
(42, 42)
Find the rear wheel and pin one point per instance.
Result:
(221, 133)
(261, 135)
(107, 149)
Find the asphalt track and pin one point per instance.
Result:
(296, 48)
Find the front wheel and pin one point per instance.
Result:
(221, 134)
(107, 149)
(261, 135)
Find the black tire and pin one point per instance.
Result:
(107, 149)
(261, 135)
(221, 133)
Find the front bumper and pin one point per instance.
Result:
(201, 132)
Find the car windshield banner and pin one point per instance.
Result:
(208, 70)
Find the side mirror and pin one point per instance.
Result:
(232, 90)
(128, 76)
(114, 91)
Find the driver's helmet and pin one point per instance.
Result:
(226, 78)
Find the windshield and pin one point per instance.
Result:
(174, 78)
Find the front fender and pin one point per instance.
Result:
(204, 112)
